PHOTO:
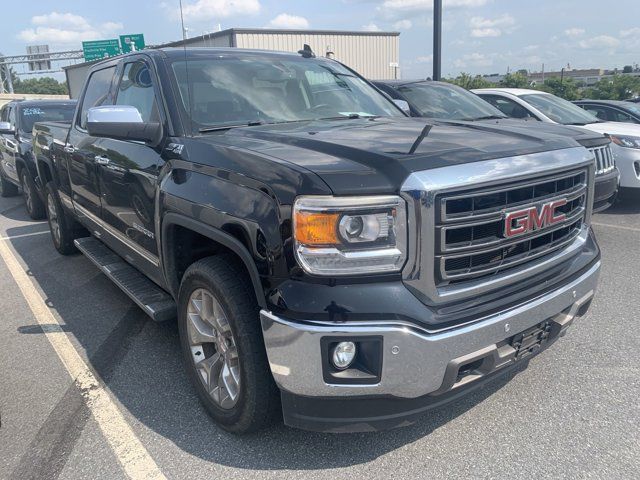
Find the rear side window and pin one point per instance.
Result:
(136, 90)
(97, 93)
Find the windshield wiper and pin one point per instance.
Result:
(351, 116)
(216, 128)
(491, 117)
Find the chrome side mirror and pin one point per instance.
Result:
(122, 122)
(403, 105)
(6, 128)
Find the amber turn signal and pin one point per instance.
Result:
(316, 229)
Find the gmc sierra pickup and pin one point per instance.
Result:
(445, 101)
(328, 258)
(17, 165)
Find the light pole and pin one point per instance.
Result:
(437, 39)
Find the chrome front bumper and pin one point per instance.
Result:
(416, 362)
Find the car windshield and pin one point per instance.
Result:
(447, 101)
(632, 107)
(560, 110)
(45, 113)
(248, 89)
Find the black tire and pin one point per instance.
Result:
(258, 400)
(32, 201)
(7, 189)
(67, 228)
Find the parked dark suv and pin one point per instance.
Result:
(17, 164)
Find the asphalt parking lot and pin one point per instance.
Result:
(573, 413)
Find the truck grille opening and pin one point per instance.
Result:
(470, 228)
(604, 159)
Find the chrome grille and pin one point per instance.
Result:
(470, 242)
(604, 159)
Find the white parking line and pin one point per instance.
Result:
(24, 235)
(620, 227)
(134, 458)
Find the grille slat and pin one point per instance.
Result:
(604, 159)
(470, 238)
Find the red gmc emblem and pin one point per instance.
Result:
(531, 219)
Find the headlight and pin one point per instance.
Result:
(628, 142)
(350, 235)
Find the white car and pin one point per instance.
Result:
(545, 107)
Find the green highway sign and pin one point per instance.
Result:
(132, 43)
(99, 49)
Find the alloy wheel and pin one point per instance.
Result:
(213, 348)
(53, 218)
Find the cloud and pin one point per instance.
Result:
(482, 27)
(399, 8)
(424, 59)
(202, 10)
(574, 32)
(371, 27)
(601, 41)
(402, 25)
(284, 20)
(631, 32)
(473, 60)
(66, 29)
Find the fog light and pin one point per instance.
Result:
(343, 355)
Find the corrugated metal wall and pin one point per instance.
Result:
(369, 55)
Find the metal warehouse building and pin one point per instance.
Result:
(375, 55)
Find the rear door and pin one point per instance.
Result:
(128, 170)
(83, 149)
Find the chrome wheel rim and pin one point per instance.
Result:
(53, 218)
(213, 348)
(27, 193)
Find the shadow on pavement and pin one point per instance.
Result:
(139, 361)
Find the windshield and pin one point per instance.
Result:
(45, 113)
(447, 101)
(633, 108)
(227, 90)
(560, 110)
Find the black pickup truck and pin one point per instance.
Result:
(328, 258)
(445, 101)
(17, 164)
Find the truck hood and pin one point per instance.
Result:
(376, 155)
(585, 137)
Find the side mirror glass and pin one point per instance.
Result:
(403, 105)
(122, 122)
(6, 128)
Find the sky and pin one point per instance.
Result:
(479, 36)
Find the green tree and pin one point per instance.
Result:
(627, 69)
(515, 80)
(566, 88)
(468, 81)
(42, 86)
(618, 87)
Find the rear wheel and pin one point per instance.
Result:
(7, 189)
(222, 345)
(33, 204)
(64, 230)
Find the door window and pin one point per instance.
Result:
(98, 92)
(596, 110)
(508, 106)
(136, 90)
(620, 116)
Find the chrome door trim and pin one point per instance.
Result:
(147, 255)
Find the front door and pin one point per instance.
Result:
(128, 170)
(9, 145)
(83, 149)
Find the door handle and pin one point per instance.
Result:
(69, 149)
(100, 160)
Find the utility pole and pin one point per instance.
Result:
(543, 73)
(437, 39)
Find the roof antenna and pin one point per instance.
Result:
(306, 52)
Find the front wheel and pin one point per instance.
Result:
(222, 345)
(33, 204)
